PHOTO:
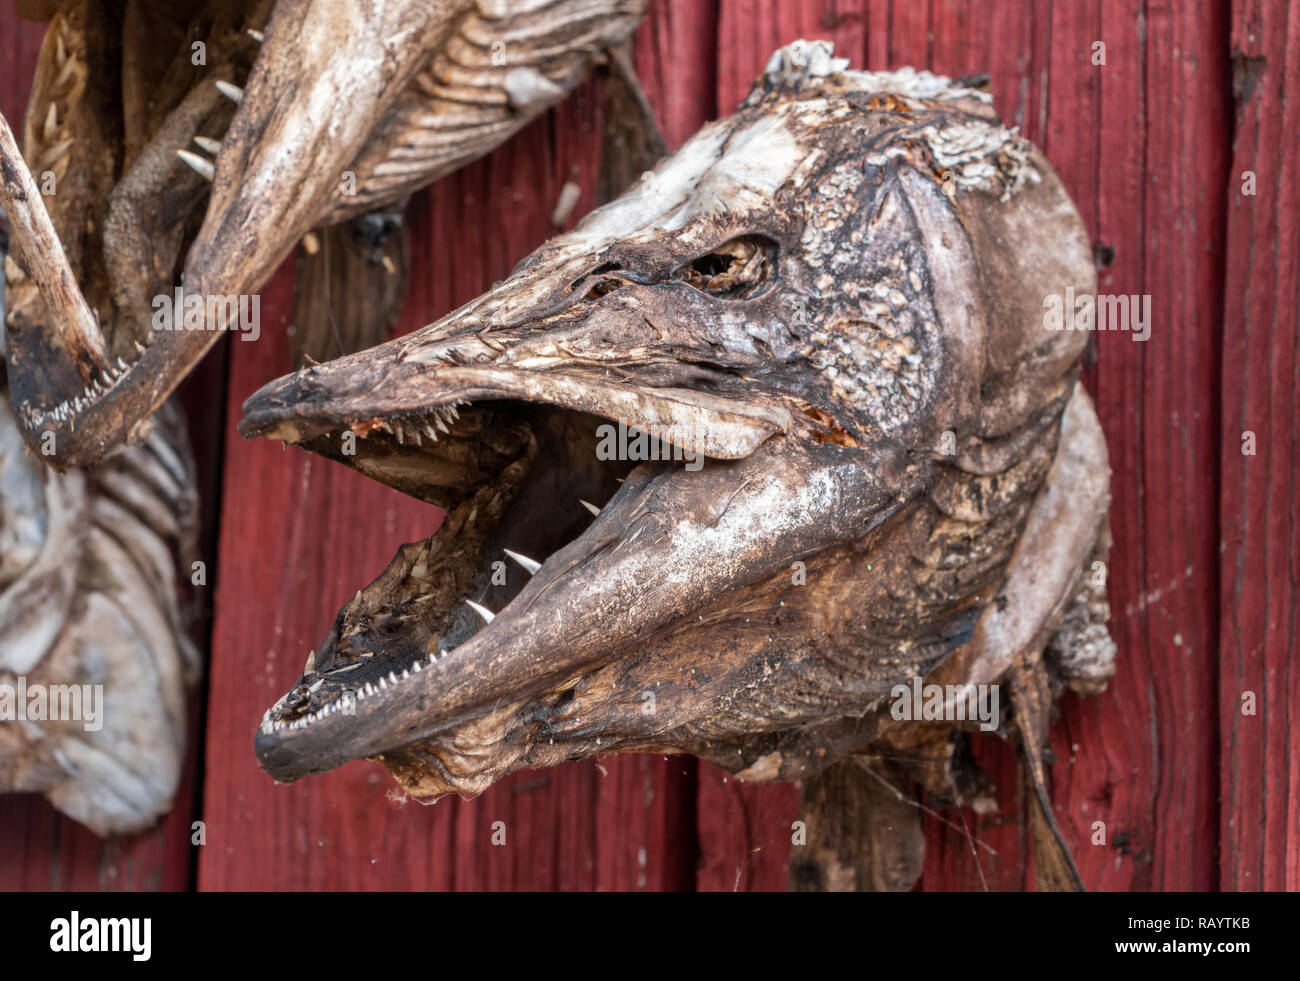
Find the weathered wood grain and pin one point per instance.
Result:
(1260, 502)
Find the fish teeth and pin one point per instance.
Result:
(232, 92)
(590, 507)
(529, 564)
(487, 615)
(197, 164)
(207, 143)
(257, 36)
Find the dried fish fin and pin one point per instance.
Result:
(1032, 698)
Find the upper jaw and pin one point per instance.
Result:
(562, 358)
(316, 403)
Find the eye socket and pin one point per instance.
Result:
(739, 269)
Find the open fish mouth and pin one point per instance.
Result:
(807, 316)
(542, 572)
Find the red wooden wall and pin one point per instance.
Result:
(1192, 793)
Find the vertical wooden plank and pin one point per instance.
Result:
(1167, 506)
(1136, 141)
(20, 42)
(674, 55)
(1259, 681)
(745, 833)
(297, 538)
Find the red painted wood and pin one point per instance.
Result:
(1158, 403)
(1260, 845)
(745, 833)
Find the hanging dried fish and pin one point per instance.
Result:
(832, 301)
(260, 122)
(95, 661)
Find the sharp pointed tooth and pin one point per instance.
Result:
(428, 430)
(257, 36)
(207, 143)
(51, 123)
(590, 507)
(233, 92)
(440, 424)
(392, 676)
(529, 564)
(196, 163)
(487, 615)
